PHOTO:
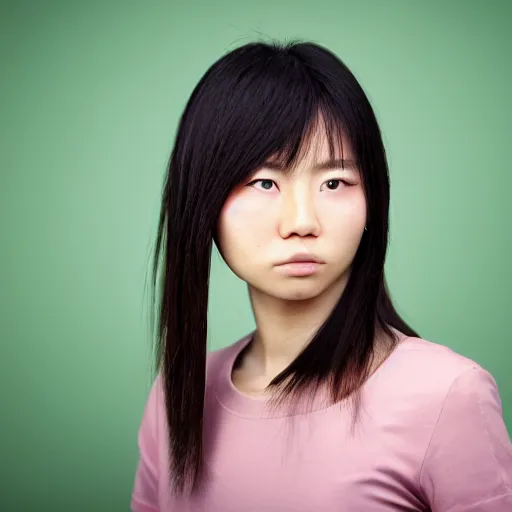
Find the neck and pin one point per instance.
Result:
(284, 327)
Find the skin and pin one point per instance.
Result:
(268, 219)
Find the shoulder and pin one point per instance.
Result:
(467, 460)
(422, 377)
(154, 421)
(219, 361)
(460, 388)
(217, 358)
(427, 364)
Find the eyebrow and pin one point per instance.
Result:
(336, 163)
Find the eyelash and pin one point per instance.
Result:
(346, 183)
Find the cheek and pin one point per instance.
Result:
(244, 222)
(344, 216)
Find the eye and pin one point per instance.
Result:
(335, 183)
(265, 184)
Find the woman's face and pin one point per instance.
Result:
(316, 212)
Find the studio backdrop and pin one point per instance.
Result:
(91, 94)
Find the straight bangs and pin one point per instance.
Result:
(327, 120)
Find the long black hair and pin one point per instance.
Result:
(257, 101)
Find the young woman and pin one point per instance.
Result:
(333, 402)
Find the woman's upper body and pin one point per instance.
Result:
(430, 436)
(279, 161)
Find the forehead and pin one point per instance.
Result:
(321, 145)
(317, 150)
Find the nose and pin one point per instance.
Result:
(298, 215)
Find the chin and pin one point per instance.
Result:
(298, 295)
(293, 291)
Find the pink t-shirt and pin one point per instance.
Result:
(430, 436)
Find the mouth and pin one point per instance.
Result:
(300, 265)
(302, 257)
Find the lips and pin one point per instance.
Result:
(300, 265)
(302, 257)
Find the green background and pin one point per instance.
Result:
(91, 93)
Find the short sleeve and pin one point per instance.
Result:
(145, 490)
(468, 463)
